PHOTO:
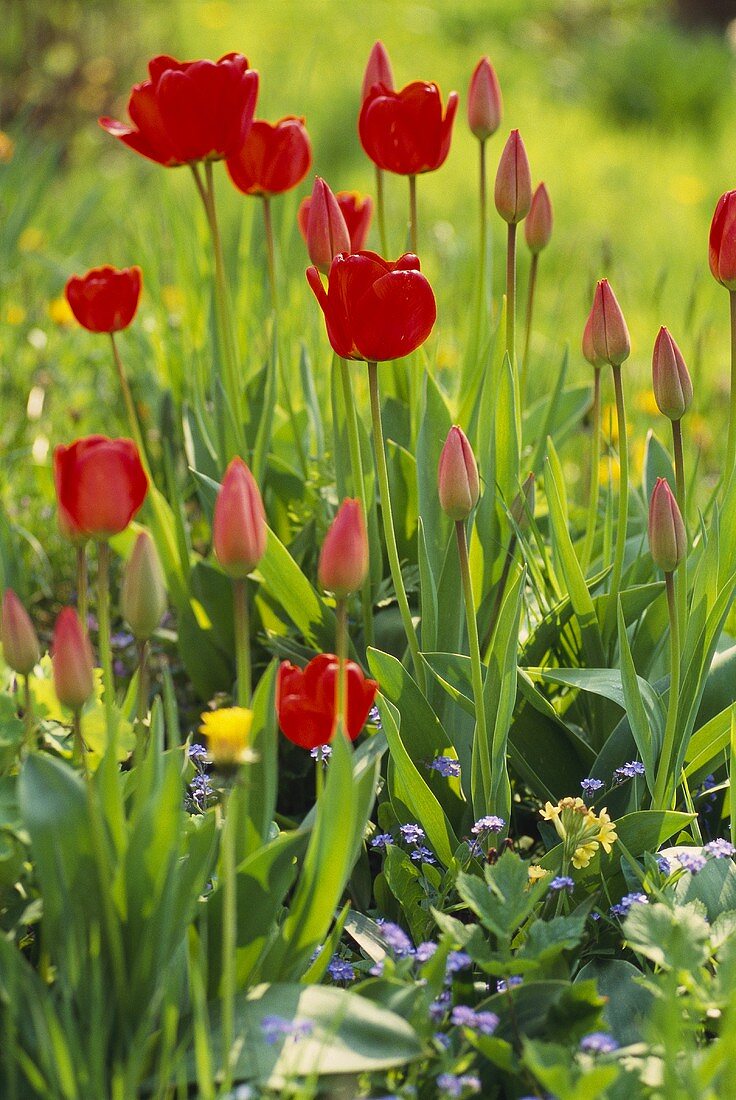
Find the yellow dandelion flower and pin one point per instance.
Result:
(228, 736)
(60, 312)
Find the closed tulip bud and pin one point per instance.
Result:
(722, 241)
(327, 231)
(20, 643)
(673, 388)
(343, 562)
(522, 506)
(538, 225)
(143, 591)
(484, 101)
(513, 192)
(667, 536)
(588, 350)
(610, 335)
(378, 70)
(72, 661)
(457, 476)
(239, 527)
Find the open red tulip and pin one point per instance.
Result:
(105, 299)
(305, 700)
(406, 132)
(100, 485)
(273, 158)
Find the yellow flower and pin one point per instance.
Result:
(14, 314)
(536, 872)
(60, 311)
(582, 856)
(228, 735)
(31, 240)
(646, 403)
(607, 836)
(7, 148)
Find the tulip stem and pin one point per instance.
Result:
(135, 429)
(79, 757)
(28, 712)
(623, 505)
(341, 687)
(511, 291)
(270, 254)
(103, 623)
(222, 299)
(731, 448)
(356, 463)
(142, 700)
(381, 211)
(529, 315)
(476, 667)
(681, 504)
(413, 224)
(662, 787)
(594, 485)
(229, 933)
(388, 526)
(242, 640)
(82, 583)
(483, 227)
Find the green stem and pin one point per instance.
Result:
(82, 584)
(681, 493)
(270, 254)
(103, 620)
(529, 316)
(594, 487)
(388, 526)
(28, 720)
(731, 447)
(142, 702)
(229, 933)
(476, 667)
(663, 789)
(242, 640)
(381, 211)
(356, 464)
(133, 424)
(341, 687)
(482, 230)
(79, 757)
(623, 507)
(511, 291)
(413, 225)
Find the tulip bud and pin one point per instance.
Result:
(484, 101)
(72, 661)
(667, 536)
(538, 226)
(608, 328)
(239, 529)
(588, 349)
(327, 231)
(343, 562)
(143, 591)
(378, 70)
(20, 643)
(673, 389)
(522, 506)
(513, 192)
(722, 241)
(457, 476)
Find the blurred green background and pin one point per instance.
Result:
(627, 109)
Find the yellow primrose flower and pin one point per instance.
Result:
(607, 835)
(228, 736)
(60, 311)
(536, 872)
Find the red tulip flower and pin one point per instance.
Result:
(378, 70)
(72, 661)
(406, 132)
(100, 485)
(357, 211)
(374, 309)
(273, 159)
(722, 242)
(105, 299)
(239, 531)
(305, 700)
(189, 110)
(485, 103)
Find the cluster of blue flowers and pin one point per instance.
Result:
(274, 1028)
(412, 835)
(591, 786)
(622, 907)
(598, 1042)
(485, 1023)
(321, 753)
(447, 766)
(200, 794)
(560, 883)
(628, 771)
(340, 970)
(503, 985)
(452, 1085)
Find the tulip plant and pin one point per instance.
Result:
(418, 780)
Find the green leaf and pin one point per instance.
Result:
(675, 939)
(285, 582)
(546, 940)
(646, 726)
(435, 423)
(628, 1003)
(505, 899)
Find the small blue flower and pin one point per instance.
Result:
(439, 1006)
(340, 970)
(321, 752)
(488, 824)
(462, 1016)
(691, 861)
(561, 882)
(396, 938)
(447, 766)
(376, 971)
(422, 855)
(278, 1027)
(411, 833)
(598, 1042)
(425, 951)
(720, 848)
(664, 865)
(622, 908)
(381, 841)
(197, 752)
(628, 771)
(442, 1040)
(452, 1085)
(457, 960)
(590, 786)
(374, 717)
(504, 984)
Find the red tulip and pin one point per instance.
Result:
(100, 485)
(406, 132)
(20, 641)
(609, 334)
(457, 476)
(356, 210)
(484, 101)
(305, 700)
(239, 531)
(538, 224)
(326, 231)
(513, 192)
(377, 71)
(105, 299)
(722, 243)
(671, 382)
(667, 536)
(375, 309)
(588, 350)
(72, 661)
(273, 159)
(189, 110)
(343, 561)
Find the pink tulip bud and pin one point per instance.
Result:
(239, 529)
(343, 562)
(667, 536)
(588, 349)
(609, 332)
(143, 591)
(377, 71)
(484, 101)
(538, 225)
(327, 231)
(457, 476)
(722, 241)
(513, 192)
(673, 389)
(72, 661)
(522, 506)
(20, 643)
